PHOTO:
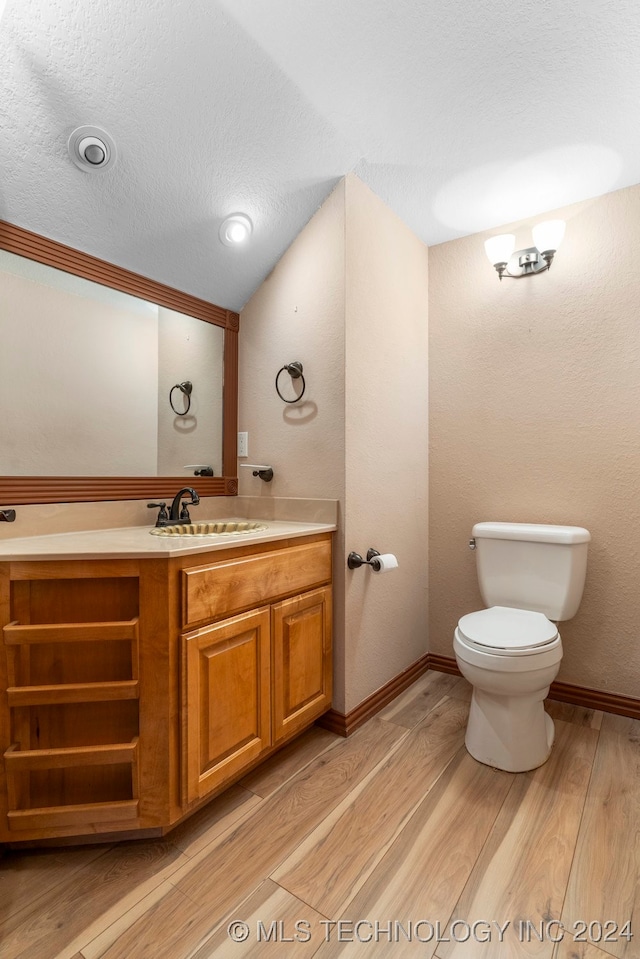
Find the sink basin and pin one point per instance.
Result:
(212, 527)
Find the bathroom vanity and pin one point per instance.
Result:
(141, 675)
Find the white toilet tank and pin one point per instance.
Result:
(532, 566)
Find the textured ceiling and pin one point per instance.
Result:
(460, 116)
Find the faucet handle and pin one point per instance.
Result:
(184, 512)
(163, 515)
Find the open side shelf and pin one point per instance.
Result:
(21, 763)
(63, 769)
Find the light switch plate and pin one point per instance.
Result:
(243, 444)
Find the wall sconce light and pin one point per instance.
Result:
(547, 237)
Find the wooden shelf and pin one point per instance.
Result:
(24, 760)
(51, 817)
(17, 635)
(20, 763)
(56, 694)
(90, 785)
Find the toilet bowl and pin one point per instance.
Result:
(531, 576)
(510, 657)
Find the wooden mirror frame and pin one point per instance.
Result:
(20, 490)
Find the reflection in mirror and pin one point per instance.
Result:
(87, 372)
(57, 443)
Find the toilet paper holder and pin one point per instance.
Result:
(355, 560)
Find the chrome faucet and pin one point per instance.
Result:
(184, 511)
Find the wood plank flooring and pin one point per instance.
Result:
(394, 842)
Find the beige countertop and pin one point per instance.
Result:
(136, 542)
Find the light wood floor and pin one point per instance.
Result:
(393, 842)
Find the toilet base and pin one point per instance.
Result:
(513, 733)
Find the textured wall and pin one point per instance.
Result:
(354, 311)
(386, 441)
(535, 416)
(298, 314)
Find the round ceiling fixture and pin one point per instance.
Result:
(235, 229)
(91, 149)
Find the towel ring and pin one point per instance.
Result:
(295, 372)
(186, 389)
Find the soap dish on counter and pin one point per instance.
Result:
(210, 528)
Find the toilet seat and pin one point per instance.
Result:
(505, 631)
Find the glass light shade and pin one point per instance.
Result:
(548, 235)
(235, 229)
(500, 248)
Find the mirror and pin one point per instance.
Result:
(111, 384)
(96, 380)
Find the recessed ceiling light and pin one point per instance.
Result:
(235, 229)
(91, 149)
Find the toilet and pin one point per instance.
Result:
(531, 576)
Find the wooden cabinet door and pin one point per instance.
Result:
(226, 699)
(302, 663)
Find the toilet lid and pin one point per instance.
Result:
(503, 628)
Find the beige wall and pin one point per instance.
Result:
(535, 416)
(386, 441)
(349, 300)
(298, 314)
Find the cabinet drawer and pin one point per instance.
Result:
(222, 589)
